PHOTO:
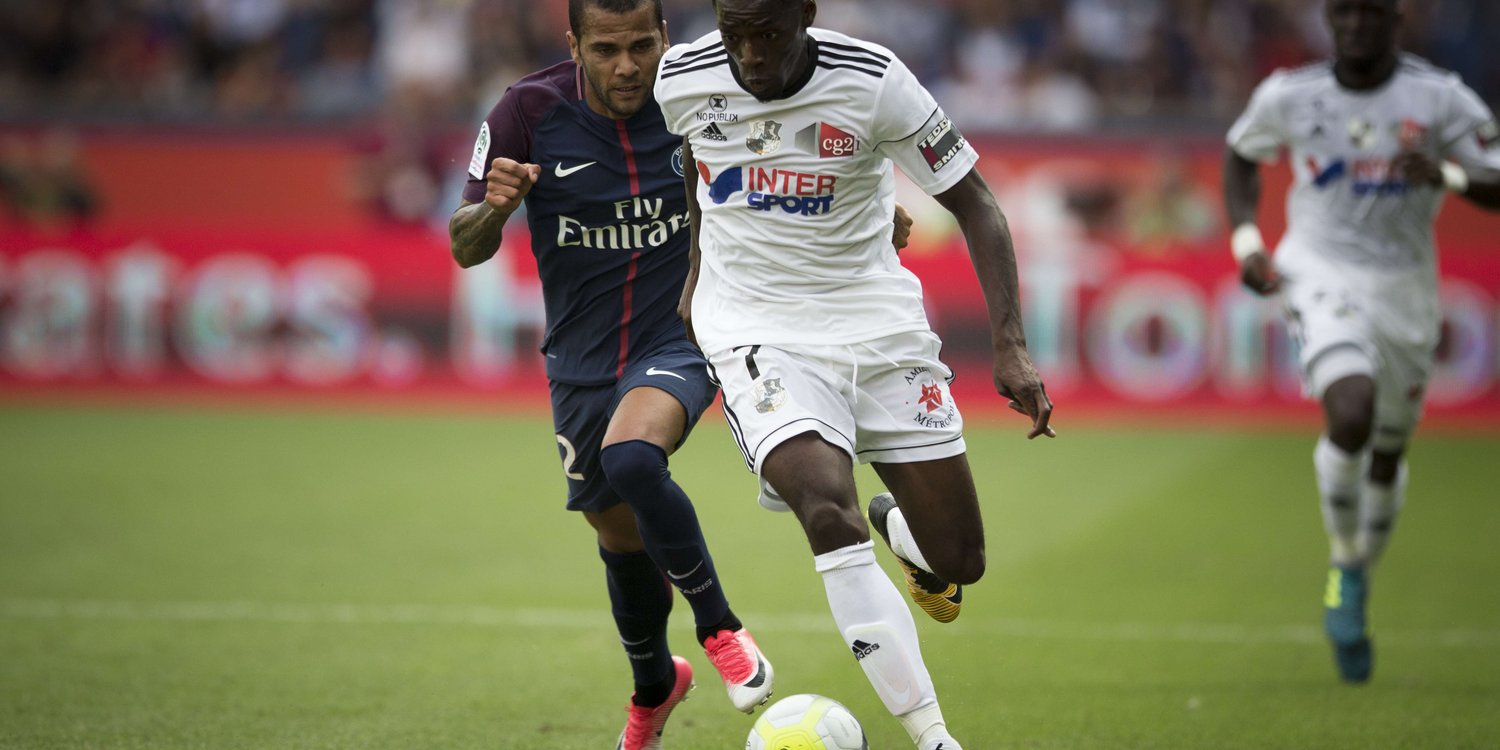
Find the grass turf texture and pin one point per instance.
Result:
(196, 579)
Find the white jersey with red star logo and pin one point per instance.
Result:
(797, 194)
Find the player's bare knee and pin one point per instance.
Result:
(830, 526)
(1349, 406)
(1350, 430)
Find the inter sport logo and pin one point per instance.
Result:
(796, 193)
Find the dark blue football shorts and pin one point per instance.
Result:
(581, 414)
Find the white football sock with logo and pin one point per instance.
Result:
(1338, 488)
(1380, 504)
(878, 627)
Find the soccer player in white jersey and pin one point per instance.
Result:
(816, 332)
(1376, 137)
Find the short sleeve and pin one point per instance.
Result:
(911, 130)
(672, 80)
(1260, 132)
(503, 134)
(1470, 134)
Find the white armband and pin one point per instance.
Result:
(1246, 241)
(1455, 178)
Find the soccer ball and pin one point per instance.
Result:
(807, 722)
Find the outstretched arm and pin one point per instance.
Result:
(1241, 202)
(475, 229)
(695, 218)
(994, 256)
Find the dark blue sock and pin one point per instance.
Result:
(641, 602)
(637, 470)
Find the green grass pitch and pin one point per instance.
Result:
(260, 578)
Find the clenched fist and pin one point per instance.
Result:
(508, 182)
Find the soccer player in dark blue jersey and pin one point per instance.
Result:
(583, 144)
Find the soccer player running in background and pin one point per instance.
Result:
(582, 143)
(814, 330)
(1376, 136)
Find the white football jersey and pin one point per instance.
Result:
(797, 194)
(1345, 207)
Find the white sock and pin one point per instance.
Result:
(1338, 488)
(877, 626)
(926, 727)
(1380, 504)
(902, 542)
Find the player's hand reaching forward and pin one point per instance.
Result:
(902, 233)
(1259, 275)
(507, 184)
(1016, 379)
(1418, 168)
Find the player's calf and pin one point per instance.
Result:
(939, 598)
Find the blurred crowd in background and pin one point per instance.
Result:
(412, 72)
(997, 64)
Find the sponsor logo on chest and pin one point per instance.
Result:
(827, 141)
(639, 224)
(718, 106)
(769, 189)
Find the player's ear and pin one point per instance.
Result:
(666, 41)
(809, 12)
(573, 47)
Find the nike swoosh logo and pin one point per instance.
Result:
(760, 674)
(654, 371)
(676, 577)
(635, 643)
(560, 172)
(902, 698)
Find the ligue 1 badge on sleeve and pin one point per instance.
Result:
(765, 137)
(481, 150)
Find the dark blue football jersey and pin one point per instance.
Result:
(608, 219)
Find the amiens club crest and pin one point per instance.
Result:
(765, 137)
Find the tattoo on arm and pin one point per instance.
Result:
(474, 233)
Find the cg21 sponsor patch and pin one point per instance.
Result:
(827, 141)
(940, 145)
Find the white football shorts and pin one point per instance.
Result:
(1342, 331)
(883, 401)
